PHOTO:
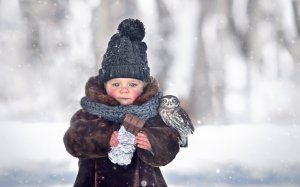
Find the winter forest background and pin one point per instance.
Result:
(234, 64)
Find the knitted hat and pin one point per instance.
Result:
(126, 55)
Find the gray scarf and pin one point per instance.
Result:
(117, 113)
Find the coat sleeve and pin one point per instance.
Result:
(88, 136)
(163, 140)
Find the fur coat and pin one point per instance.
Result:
(88, 139)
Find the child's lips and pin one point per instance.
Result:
(124, 98)
(125, 101)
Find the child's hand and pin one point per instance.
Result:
(142, 141)
(114, 139)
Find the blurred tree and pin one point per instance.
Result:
(165, 32)
(41, 17)
(201, 92)
(261, 36)
(106, 18)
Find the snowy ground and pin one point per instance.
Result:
(218, 156)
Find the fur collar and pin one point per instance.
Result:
(97, 93)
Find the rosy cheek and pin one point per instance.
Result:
(112, 93)
(135, 94)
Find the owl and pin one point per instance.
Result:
(174, 116)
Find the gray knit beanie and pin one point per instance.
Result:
(126, 55)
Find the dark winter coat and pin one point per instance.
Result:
(88, 139)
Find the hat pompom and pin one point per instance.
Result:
(132, 28)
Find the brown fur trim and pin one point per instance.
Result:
(97, 93)
(88, 136)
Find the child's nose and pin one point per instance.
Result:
(124, 89)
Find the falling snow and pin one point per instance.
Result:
(250, 73)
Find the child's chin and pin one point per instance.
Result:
(125, 102)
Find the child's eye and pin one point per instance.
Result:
(132, 84)
(115, 84)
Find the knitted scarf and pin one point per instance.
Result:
(117, 113)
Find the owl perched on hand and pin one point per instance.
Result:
(174, 116)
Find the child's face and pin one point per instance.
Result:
(124, 90)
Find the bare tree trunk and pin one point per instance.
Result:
(243, 42)
(294, 49)
(251, 53)
(201, 95)
(295, 5)
(218, 86)
(166, 29)
(32, 30)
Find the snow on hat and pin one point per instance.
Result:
(126, 55)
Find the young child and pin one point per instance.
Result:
(118, 135)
